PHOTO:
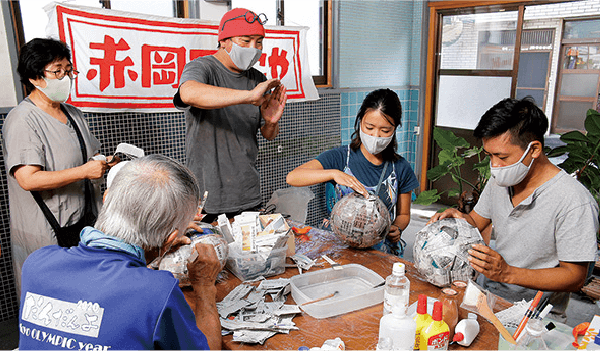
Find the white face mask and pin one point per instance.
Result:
(57, 90)
(243, 58)
(374, 145)
(513, 174)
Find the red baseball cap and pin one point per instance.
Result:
(238, 22)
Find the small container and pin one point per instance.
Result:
(466, 330)
(532, 337)
(333, 345)
(460, 286)
(399, 327)
(449, 309)
(354, 283)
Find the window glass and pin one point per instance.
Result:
(570, 115)
(305, 13)
(35, 18)
(582, 29)
(479, 41)
(536, 94)
(583, 85)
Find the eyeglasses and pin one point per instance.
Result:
(61, 73)
(250, 17)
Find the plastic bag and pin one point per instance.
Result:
(292, 201)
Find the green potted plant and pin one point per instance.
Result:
(452, 158)
(583, 154)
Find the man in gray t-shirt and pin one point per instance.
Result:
(226, 103)
(544, 221)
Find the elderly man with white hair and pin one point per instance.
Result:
(101, 295)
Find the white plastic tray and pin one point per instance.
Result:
(353, 283)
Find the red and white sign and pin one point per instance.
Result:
(129, 61)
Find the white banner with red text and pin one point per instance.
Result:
(133, 62)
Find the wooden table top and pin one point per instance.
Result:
(358, 329)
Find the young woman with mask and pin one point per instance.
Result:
(370, 159)
(44, 155)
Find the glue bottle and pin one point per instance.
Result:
(436, 335)
(399, 327)
(466, 330)
(397, 289)
(423, 319)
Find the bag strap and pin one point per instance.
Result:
(381, 178)
(46, 211)
(36, 194)
(78, 132)
(87, 183)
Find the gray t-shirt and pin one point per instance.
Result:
(32, 137)
(221, 145)
(557, 222)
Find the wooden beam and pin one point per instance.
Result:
(430, 85)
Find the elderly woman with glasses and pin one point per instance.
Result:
(48, 150)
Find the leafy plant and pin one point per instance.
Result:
(583, 153)
(452, 157)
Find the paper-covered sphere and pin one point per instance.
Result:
(440, 251)
(176, 262)
(361, 222)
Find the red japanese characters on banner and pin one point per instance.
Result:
(132, 61)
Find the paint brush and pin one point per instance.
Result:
(528, 313)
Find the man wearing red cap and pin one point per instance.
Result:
(226, 102)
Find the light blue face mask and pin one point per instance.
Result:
(243, 58)
(512, 175)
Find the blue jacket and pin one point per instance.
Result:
(97, 299)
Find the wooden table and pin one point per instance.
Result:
(359, 329)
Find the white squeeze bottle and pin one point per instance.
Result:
(397, 289)
(398, 327)
(466, 330)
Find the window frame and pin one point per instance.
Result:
(323, 80)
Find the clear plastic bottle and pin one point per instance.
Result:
(397, 289)
(399, 327)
